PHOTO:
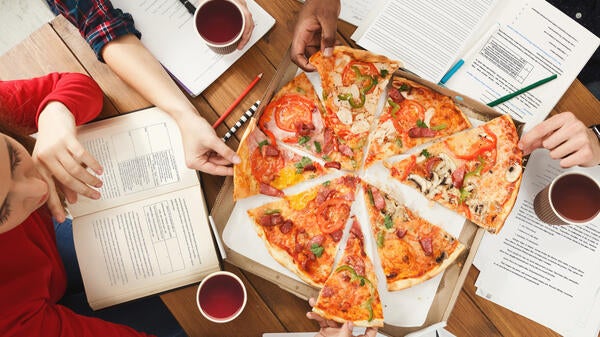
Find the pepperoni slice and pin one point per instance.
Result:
(265, 168)
(332, 215)
(427, 245)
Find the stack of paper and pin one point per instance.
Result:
(169, 32)
(550, 274)
(505, 46)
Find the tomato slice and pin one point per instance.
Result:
(332, 215)
(289, 110)
(408, 115)
(265, 168)
(361, 73)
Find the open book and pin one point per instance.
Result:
(149, 232)
(169, 33)
(506, 45)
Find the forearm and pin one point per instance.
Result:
(135, 65)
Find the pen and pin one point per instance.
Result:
(451, 71)
(190, 7)
(238, 100)
(245, 117)
(518, 92)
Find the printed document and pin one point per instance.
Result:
(550, 274)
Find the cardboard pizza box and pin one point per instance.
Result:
(454, 276)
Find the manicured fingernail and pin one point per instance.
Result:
(236, 159)
(520, 146)
(328, 52)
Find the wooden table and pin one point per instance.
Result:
(57, 46)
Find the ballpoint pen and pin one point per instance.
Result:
(521, 91)
(190, 7)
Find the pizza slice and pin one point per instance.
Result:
(294, 116)
(413, 114)
(410, 248)
(476, 172)
(268, 168)
(353, 81)
(302, 232)
(350, 293)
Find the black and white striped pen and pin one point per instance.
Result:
(245, 117)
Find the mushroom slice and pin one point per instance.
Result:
(421, 183)
(514, 172)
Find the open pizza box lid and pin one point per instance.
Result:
(453, 278)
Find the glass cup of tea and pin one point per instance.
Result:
(220, 23)
(221, 297)
(572, 198)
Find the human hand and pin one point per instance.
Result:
(331, 328)
(249, 24)
(58, 154)
(567, 138)
(315, 30)
(204, 150)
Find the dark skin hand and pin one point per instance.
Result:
(315, 30)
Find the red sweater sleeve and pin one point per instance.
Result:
(22, 101)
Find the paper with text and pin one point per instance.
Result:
(141, 154)
(550, 274)
(168, 31)
(427, 36)
(532, 41)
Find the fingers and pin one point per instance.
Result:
(298, 50)
(73, 176)
(248, 28)
(533, 139)
(328, 31)
(370, 332)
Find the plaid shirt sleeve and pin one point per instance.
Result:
(97, 20)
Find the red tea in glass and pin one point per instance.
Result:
(220, 23)
(576, 197)
(221, 297)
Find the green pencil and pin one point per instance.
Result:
(518, 92)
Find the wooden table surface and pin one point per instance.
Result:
(57, 46)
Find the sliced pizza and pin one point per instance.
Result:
(302, 232)
(294, 116)
(413, 114)
(267, 168)
(353, 81)
(411, 249)
(476, 172)
(350, 293)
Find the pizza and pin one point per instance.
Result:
(267, 168)
(302, 231)
(294, 117)
(410, 248)
(353, 82)
(413, 114)
(350, 293)
(476, 172)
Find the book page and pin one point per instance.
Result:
(141, 154)
(144, 247)
(168, 31)
(550, 274)
(427, 36)
(532, 41)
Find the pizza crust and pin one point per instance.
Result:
(375, 322)
(244, 183)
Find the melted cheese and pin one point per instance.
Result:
(287, 177)
(299, 201)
